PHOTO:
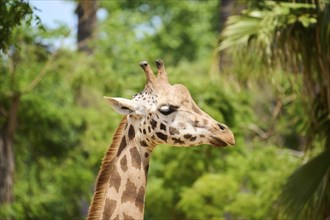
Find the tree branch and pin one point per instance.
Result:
(41, 74)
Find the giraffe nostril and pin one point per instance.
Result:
(222, 127)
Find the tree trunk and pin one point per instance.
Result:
(7, 159)
(226, 9)
(86, 12)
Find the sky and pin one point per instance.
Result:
(53, 13)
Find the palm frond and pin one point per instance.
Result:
(239, 30)
(263, 25)
(303, 183)
(297, 36)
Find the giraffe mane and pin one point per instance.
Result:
(104, 174)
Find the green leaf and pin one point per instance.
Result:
(304, 182)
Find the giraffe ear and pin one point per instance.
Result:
(121, 105)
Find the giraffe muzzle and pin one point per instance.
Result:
(224, 138)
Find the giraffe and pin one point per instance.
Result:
(160, 114)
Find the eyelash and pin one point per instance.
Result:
(170, 109)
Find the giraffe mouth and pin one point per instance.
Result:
(217, 142)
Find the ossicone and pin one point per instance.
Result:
(151, 78)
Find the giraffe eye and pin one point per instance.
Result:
(167, 109)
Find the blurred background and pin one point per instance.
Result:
(261, 67)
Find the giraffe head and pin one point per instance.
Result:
(167, 114)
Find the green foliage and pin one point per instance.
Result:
(260, 25)
(13, 13)
(292, 35)
(151, 30)
(45, 187)
(261, 174)
(65, 126)
(238, 190)
(236, 184)
(209, 190)
(47, 141)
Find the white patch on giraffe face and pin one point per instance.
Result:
(146, 102)
(140, 105)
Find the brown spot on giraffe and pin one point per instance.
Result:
(173, 131)
(131, 132)
(187, 136)
(196, 109)
(129, 193)
(196, 123)
(143, 143)
(177, 141)
(128, 217)
(193, 139)
(153, 123)
(162, 127)
(115, 179)
(121, 146)
(162, 136)
(205, 122)
(139, 201)
(123, 164)
(136, 158)
(110, 206)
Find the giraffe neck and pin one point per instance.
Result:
(122, 180)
